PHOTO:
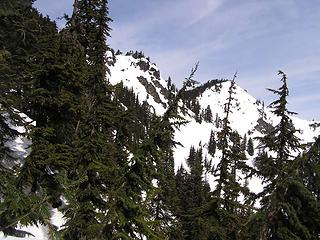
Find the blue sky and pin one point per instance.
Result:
(256, 38)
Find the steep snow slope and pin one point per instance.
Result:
(248, 117)
(139, 74)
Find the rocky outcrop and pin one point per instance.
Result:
(151, 90)
(263, 127)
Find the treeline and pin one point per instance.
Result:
(96, 152)
(288, 206)
(106, 163)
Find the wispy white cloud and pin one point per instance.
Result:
(255, 37)
(205, 9)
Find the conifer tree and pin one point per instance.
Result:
(196, 108)
(250, 148)
(194, 197)
(244, 143)
(207, 116)
(217, 121)
(30, 42)
(281, 140)
(229, 186)
(7, 174)
(17, 20)
(212, 144)
(286, 202)
(6, 86)
(105, 200)
(164, 200)
(207, 166)
(309, 168)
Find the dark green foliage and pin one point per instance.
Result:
(309, 168)
(282, 137)
(106, 162)
(217, 121)
(232, 213)
(281, 140)
(207, 116)
(194, 198)
(208, 166)
(105, 191)
(196, 108)
(172, 90)
(52, 103)
(229, 143)
(244, 143)
(289, 210)
(142, 112)
(30, 48)
(7, 175)
(212, 144)
(250, 148)
(196, 92)
(18, 33)
(138, 55)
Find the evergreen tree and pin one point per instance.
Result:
(217, 121)
(244, 143)
(106, 186)
(250, 148)
(194, 197)
(212, 144)
(6, 99)
(164, 202)
(287, 205)
(107, 163)
(7, 174)
(307, 171)
(309, 168)
(196, 108)
(229, 186)
(207, 116)
(29, 40)
(207, 166)
(281, 140)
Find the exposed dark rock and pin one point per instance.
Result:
(144, 66)
(165, 92)
(151, 90)
(155, 73)
(315, 125)
(263, 127)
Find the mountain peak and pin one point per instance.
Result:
(137, 72)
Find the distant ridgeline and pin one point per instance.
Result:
(97, 145)
(198, 90)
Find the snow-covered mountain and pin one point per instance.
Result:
(138, 73)
(250, 117)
